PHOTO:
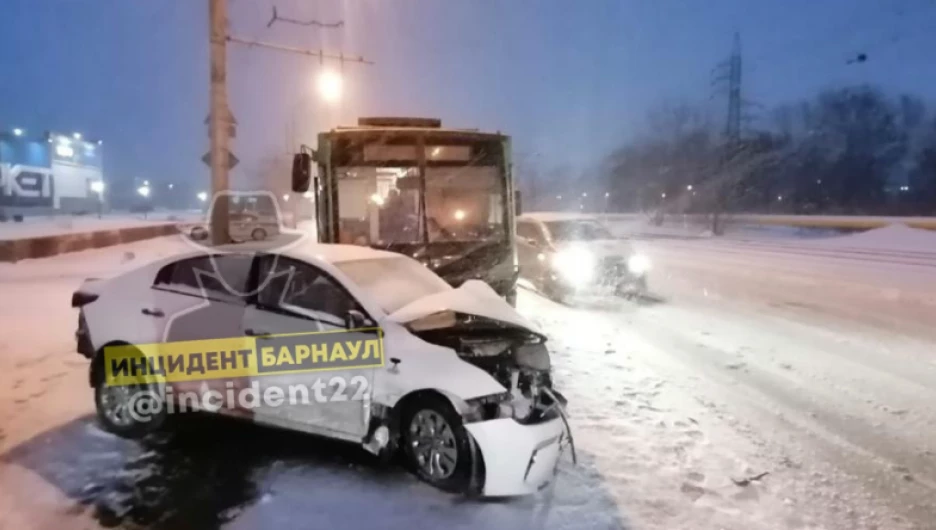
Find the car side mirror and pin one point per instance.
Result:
(532, 241)
(301, 172)
(354, 319)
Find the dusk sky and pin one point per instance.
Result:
(568, 80)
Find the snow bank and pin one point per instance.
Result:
(897, 237)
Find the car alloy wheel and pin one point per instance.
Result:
(433, 444)
(437, 446)
(115, 407)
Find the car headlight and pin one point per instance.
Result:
(638, 264)
(575, 265)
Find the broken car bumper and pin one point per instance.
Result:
(518, 459)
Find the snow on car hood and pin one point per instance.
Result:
(474, 297)
(601, 248)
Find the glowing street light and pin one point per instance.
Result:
(77, 136)
(558, 197)
(584, 194)
(459, 215)
(144, 190)
(17, 132)
(97, 186)
(286, 197)
(202, 196)
(663, 195)
(330, 86)
(689, 187)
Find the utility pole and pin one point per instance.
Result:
(220, 119)
(732, 134)
(218, 122)
(733, 123)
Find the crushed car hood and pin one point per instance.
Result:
(474, 298)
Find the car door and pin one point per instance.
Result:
(295, 297)
(530, 244)
(200, 298)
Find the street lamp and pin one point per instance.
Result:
(97, 187)
(77, 136)
(202, 196)
(689, 187)
(330, 86)
(144, 192)
(17, 132)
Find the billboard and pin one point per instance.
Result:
(25, 173)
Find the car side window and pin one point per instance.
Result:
(223, 276)
(300, 288)
(528, 230)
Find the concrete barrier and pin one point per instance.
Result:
(857, 222)
(42, 247)
(845, 222)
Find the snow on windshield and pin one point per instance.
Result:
(393, 282)
(577, 230)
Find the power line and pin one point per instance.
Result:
(321, 54)
(276, 18)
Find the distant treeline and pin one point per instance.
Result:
(852, 150)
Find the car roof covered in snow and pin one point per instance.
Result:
(546, 217)
(333, 253)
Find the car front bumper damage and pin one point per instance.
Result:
(518, 459)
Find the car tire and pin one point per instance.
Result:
(434, 435)
(635, 293)
(198, 234)
(258, 234)
(554, 292)
(118, 420)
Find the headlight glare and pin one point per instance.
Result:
(638, 264)
(575, 265)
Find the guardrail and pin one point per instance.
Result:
(13, 250)
(834, 221)
(847, 222)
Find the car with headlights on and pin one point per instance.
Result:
(463, 393)
(565, 254)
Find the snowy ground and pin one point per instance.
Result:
(812, 361)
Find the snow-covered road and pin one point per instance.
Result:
(817, 370)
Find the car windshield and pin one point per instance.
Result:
(577, 230)
(393, 282)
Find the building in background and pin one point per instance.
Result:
(54, 173)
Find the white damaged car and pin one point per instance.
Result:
(464, 391)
